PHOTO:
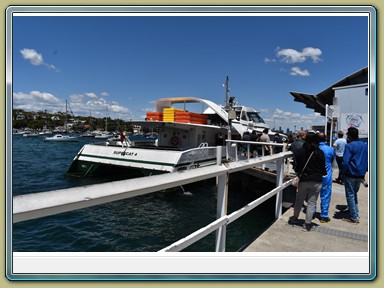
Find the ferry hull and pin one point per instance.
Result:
(93, 158)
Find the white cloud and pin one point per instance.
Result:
(90, 103)
(152, 109)
(285, 119)
(91, 95)
(37, 101)
(36, 58)
(268, 60)
(296, 71)
(37, 96)
(313, 53)
(80, 104)
(33, 57)
(292, 56)
(76, 98)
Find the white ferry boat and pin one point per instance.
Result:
(186, 140)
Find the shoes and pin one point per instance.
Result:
(293, 220)
(338, 181)
(352, 221)
(324, 220)
(307, 227)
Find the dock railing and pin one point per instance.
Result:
(37, 205)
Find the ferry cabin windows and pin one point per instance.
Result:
(244, 115)
(241, 114)
(255, 117)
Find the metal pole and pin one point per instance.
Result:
(279, 182)
(262, 155)
(330, 135)
(237, 156)
(326, 120)
(222, 200)
(218, 154)
(226, 92)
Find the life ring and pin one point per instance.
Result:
(174, 141)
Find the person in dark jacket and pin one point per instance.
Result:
(353, 169)
(297, 144)
(310, 178)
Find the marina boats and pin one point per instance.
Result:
(87, 134)
(103, 135)
(30, 134)
(185, 140)
(60, 138)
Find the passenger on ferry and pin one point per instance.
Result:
(244, 147)
(277, 149)
(290, 139)
(265, 138)
(254, 138)
(353, 169)
(326, 189)
(310, 166)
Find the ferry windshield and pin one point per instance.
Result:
(255, 117)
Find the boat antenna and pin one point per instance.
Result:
(226, 86)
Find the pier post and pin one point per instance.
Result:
(218, 154)
(222, 201)
(279, 182)
(262, 155)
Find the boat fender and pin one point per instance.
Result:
(174, 141)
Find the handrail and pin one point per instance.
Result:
(225, 220)
(36, 205)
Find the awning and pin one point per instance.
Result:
(317, 102)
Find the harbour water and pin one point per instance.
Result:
(142, 224)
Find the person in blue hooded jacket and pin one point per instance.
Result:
(326, 188)
(353, 169)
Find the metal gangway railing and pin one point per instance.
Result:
(37, 205)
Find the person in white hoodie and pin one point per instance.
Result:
(339, 147)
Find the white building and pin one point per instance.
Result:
(351, 108)
(350, 99)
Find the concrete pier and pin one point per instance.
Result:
(334, 236)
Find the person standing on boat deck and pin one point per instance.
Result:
(246, 137)
(253, 148)
(353, 169)
(277, 139)
(296, 145)
(122, 137)
(310, 179)
(265, 138)
(326, 188)
(339, 147)
(290, 138)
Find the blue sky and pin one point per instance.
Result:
(118, 66)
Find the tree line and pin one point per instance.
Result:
(43, 120)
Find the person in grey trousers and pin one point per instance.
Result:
(310, 165)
